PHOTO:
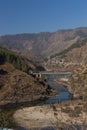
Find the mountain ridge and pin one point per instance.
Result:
(43, 44)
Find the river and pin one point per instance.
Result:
(61, 90)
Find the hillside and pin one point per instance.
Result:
(42, 45)
(76, 53)
(78, 82)
(17, 61)
(16, 86)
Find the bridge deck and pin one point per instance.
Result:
(54, 74)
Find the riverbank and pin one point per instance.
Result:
(68, 113)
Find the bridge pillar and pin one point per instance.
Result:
(38, 75)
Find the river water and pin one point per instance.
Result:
(60, 89)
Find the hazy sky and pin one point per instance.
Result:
(29, 16)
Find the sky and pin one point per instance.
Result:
(33, 16)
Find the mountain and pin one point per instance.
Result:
(45, 44)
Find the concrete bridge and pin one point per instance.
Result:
(53, 75)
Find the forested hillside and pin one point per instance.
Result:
(15, 60)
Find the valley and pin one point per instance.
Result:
(33, 69)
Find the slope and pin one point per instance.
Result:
(16, 86)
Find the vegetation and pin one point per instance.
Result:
(6, 120)
(7, 56)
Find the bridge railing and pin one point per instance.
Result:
(57, 75)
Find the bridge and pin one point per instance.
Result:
(53, 75)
